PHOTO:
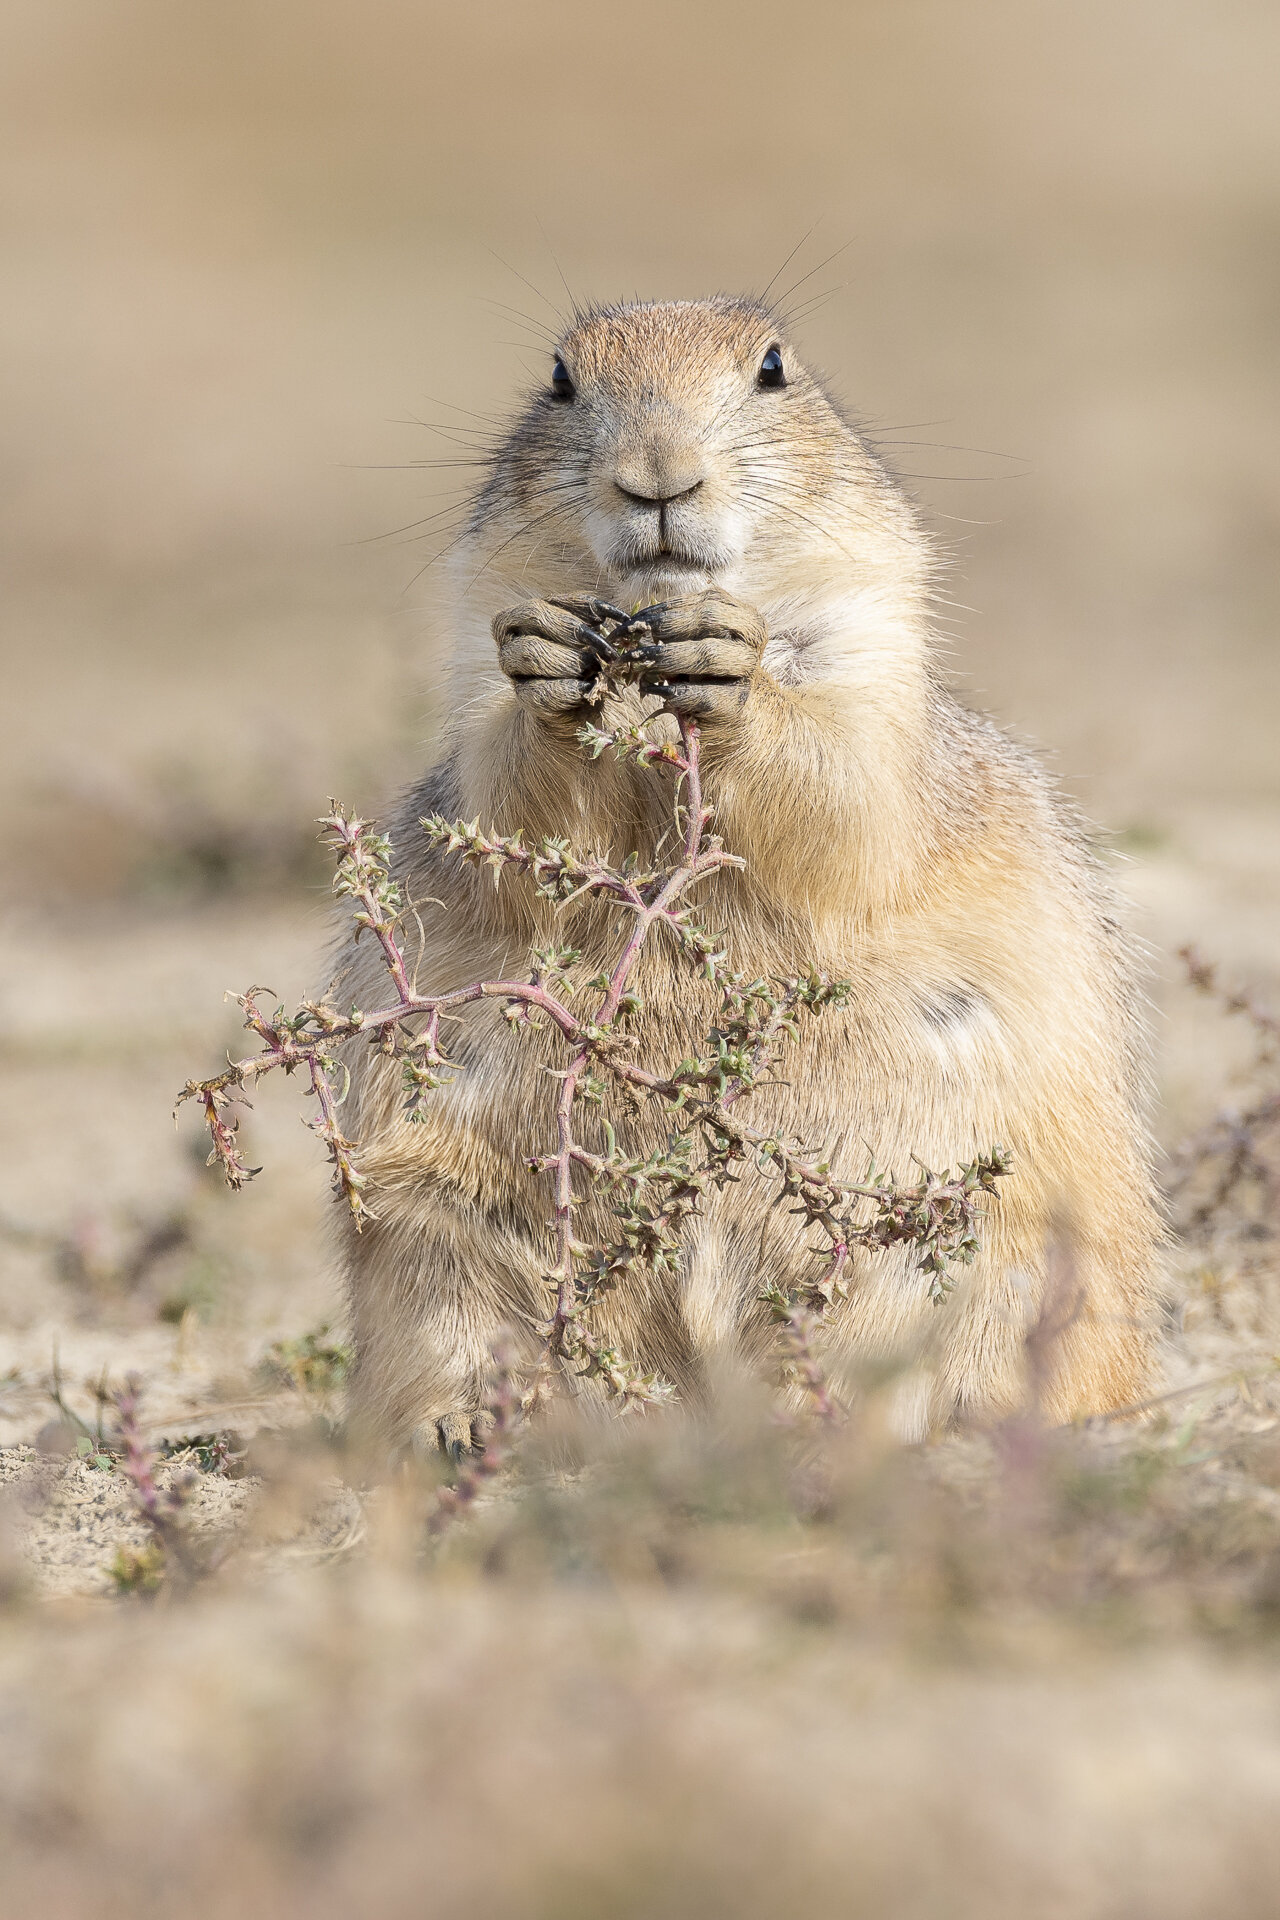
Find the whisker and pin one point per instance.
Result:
(460, 436)
(777, 275)
(793, 513)
(409, 466)
(405, 466)
(959, 479)
(494, 419)
(781, 302)
(489, 436)
(411, 526)
(960, 519)
(537, 291)
(944, 446)
(903, 426)
(808, 308)
(461, 533)
(520, 532)
(573, 302)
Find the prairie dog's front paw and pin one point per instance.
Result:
(549, 653)
(707, 651)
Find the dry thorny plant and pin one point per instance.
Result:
(599, 1022)
(1232, 1165)
(160, 1477)
(1226, 1176)
(169, 1550)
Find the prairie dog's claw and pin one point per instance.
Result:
(597, 643)
(705, 654)
(603, 610)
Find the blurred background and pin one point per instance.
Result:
(257, 264)
(260, 260)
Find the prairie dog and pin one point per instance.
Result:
(680, 453)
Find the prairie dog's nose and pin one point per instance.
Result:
(653, 499)
(654, 468)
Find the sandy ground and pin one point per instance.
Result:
(251, 294)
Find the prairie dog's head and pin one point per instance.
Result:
(683, 443)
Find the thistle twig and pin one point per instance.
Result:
(1239, 1149)
(169, 1548)
(707, 1145)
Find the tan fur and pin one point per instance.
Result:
(891, 837)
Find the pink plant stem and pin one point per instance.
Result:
(160, 1508)
(936, 1214)
(562, 1165)
(568, 1151)
(799, 1324)
(298, 1049)
(330, 1130)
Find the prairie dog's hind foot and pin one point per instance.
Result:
(459, 1435)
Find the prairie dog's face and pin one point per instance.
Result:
(680, 443)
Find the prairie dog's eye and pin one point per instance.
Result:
(561, 385)
(772, 372)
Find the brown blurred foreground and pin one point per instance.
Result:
(678, 1668)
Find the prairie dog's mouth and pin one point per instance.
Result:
(635, 560)
(655, 562)
(665, 561)
(661, 573)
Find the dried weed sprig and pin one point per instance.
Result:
(1238, 1152)
(707, 1145)
(168, 1550)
